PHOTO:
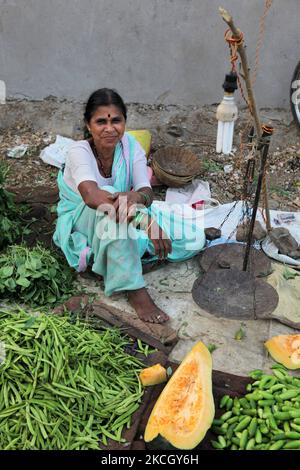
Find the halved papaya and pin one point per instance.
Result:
(285, 349)
(185, 408)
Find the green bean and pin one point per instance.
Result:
(292, 445)
(258, 436)
(279, 374)
(276, 387)
(295, 426)
(222, 441)
(282, 415)
(215, 444)
(256, 374)
(226, 416)
(252, 412)
(217, 422)
(277, 445)
(264, 429)
(250, 444)
(267, 382)
(279, 366)
(236, 441)
(289, 394)
(224, 400)
(232, 420)
(244, 439)
(236, 403)
(266, 402)
(292, 435)
(286, 426)
(229, 404)
(243, 424)
(230, 431)
(244, 402)
(252, 427)
(272, 422)
(218, 430)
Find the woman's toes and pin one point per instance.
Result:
(160, 317)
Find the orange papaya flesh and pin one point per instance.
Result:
(285, 349)
(153, 375)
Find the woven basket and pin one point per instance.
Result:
(177, 161)
(170, 180)
(175, 166)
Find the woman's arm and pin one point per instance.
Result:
(93, 196)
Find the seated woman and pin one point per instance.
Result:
(106, 217)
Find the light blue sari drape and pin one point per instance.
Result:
(115, 250)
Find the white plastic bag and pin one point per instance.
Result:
(55, 154)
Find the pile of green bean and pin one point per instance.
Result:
(266, 418)
(64, 385)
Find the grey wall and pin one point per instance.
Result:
(151, 51)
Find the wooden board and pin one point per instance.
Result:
(160, 336)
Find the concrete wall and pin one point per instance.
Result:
(151, 51)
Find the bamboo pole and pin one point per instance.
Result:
(251, 98)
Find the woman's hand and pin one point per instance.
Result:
(125, 205)
(162, 244)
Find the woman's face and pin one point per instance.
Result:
(107, 126)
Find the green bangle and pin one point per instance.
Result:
(147, 198)
(138, 218)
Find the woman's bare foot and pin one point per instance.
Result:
(145, 308)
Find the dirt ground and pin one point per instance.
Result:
(36, 124)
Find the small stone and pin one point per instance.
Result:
(258, 232)
(212, 233)
(283, 240)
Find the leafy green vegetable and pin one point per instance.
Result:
(34, 276)
(212, 347)
(287, 274)
(240, 334)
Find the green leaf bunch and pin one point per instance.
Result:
(34, 275)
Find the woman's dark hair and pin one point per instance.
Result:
(104, 97)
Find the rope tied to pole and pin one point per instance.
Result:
(234, 42)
